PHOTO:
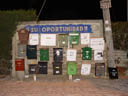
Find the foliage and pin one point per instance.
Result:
(8, 23)
(120, 35)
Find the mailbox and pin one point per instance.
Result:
(23, 36)
(63, 40)
(31, 52)
(57, 68)
(74, 38)
(19, 64)
(58, 54)
(42, 67)
(113, 73)
(21, 50)
(44, 54)
(100, 69)
(72, 70)
(86, 53)
(32, 68)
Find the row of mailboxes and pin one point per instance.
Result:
(42, 68)
(31, 52)
(72, 38)
(86, 69)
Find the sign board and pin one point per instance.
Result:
(97, 43)
(71, 54)
(33, 39)
(85, 38)
(64, 28)
(48, 40)
(98, 54)
(85, 69)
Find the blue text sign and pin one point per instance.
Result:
(82, 28)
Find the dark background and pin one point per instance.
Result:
(69, 9)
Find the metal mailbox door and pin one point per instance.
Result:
(23, 36)
(43, 67)
(74, 38)
(100, 69)
(86, 53)
(113, 73)
(31, 52)
(72, 70)
(44, 54)
(19, 64)
(58, 54)
(32, 68)
(63, 40)
(57, 69)
(21, 50)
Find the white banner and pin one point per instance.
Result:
(48, 40)
(97, 43)
(33, 39)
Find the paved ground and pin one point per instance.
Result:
(59, 86)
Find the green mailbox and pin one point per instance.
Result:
(74, 38)
(86, 53)
(63, 40)
(44, 54)
(72, 69)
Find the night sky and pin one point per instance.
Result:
(69, 9)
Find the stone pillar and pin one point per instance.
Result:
(105, 5)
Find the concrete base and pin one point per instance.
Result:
(20, 75)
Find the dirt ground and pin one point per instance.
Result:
(61, 86)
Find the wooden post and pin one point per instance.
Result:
(70, 77)
(105, 5)
(127, 10)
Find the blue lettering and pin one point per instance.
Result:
(82, 28)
